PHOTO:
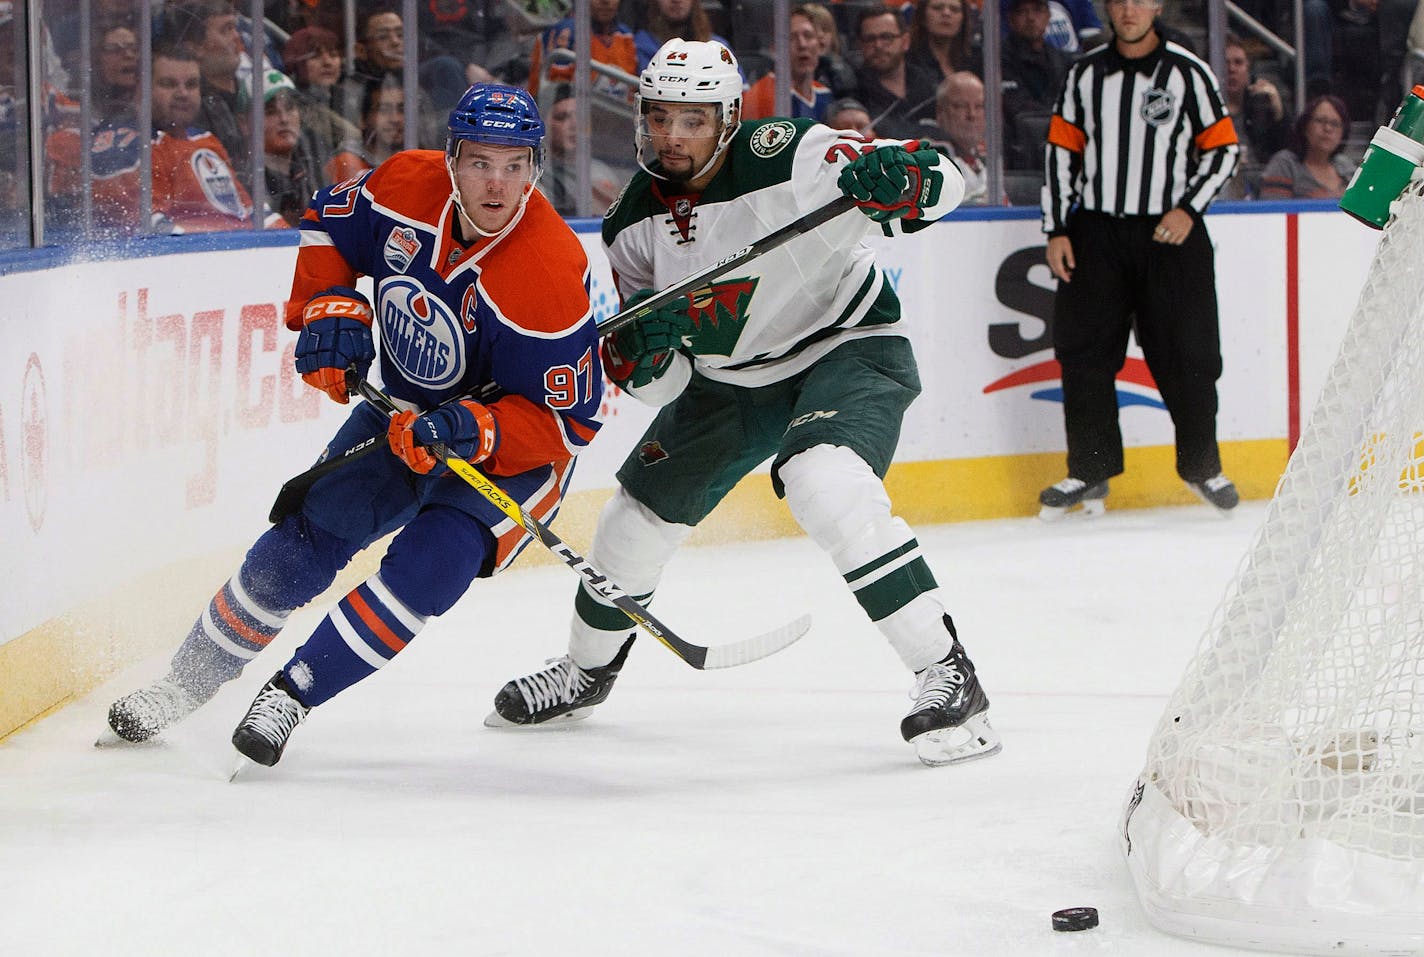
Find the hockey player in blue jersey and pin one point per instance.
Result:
(486, 342)
(798, 357)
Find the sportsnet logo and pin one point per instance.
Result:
(420, 334)
(1016, 288)
(1134, 383)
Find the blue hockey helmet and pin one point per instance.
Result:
(497, 114)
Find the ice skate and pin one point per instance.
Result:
(561, 692)
(274, 713)
(1218, 491)
(142, 714)
(949, 721)
(1063, 497)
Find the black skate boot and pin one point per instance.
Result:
(563, 692)
(142, 714)
(1058, 499)
(949, 721)
(274, 713)
(1218, 491)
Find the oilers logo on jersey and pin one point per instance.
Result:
(215, 178)
(421, 336)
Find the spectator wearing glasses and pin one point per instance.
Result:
(382, 132)
(116, 75)
(380, 59)
(1312, 166)
(958, 132)
(897, 94)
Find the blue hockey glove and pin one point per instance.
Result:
(465, 427)
(335, 335)
(642, 351)
(891, 182)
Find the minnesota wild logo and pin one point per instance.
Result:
(718, 312)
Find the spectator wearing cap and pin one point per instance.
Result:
(1033, 75)
(848, 113)
(313, 57)
(897, 94)
(1073, 25)
(293, 166)
(809, 98)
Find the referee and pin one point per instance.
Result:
(1138, 146)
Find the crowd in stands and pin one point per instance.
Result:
(909, 68)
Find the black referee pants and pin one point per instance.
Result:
(1171, 290)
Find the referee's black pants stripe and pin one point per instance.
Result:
(1122, 278)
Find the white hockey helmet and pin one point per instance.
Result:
(691, 71)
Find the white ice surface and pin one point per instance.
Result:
(768, 809)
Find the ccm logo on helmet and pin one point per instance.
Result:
(663, 78)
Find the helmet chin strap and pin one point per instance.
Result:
(460, 203)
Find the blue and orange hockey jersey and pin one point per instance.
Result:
(505, 320)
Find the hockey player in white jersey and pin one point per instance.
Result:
(799, 355)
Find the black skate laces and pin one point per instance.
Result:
(557, 685)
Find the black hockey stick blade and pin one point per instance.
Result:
(700, 657)
(766, 244)
(294, 490)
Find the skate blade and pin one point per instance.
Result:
(1088, 508)
(975, 738)
(108, 739)
(494, 720)
(240, 764)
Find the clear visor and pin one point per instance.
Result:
(702, 121)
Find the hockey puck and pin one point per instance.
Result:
(1075, 918)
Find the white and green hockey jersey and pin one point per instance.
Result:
(775, 315)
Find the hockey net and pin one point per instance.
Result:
(1282, 802)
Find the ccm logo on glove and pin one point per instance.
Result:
(466, 428)
(335, 336)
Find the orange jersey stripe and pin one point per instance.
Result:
(238, 625)
(1219, 134)
(373, 622)
(1065, 134)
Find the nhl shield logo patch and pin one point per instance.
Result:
(772, 138)
(651, 453)
(1158, 106)
(682, 207)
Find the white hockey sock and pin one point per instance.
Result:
(843, 506)
(631, 546)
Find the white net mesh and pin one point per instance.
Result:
(1302, 715)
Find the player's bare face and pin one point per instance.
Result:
(492, 181)
(683, 135)
(176, 85)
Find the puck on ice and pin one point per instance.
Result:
(1075, 918)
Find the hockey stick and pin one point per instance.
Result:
(766, 244)
(294, 490)
(698, 656)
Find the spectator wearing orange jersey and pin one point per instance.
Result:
(809, 98)
(611, 43)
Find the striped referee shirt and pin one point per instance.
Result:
(1137, 137)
